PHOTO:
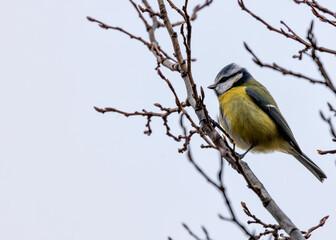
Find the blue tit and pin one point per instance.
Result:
(252, 118)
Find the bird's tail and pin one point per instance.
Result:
(310, 165)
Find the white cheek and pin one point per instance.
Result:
(223, 87)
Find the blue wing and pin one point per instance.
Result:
(273, 112)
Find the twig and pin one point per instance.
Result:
(315, 8)
(186, 137)
(173, 6)
(290, 34)
(331, 108)
(331, 126)
(220, 187)
(222, 190)
(312, 40)
(105, 26)
(257, 220)
(191, 233)
(321, 223)
(284, 71)
(187, 43)
(326, 152)
(141, 16)
(148, 115)
(192, 96)
(193, 124)
(270, 229)
(206, 233)
(228, 204)
(196, 9)
(177, 100)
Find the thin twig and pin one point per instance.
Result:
(331, 126)
(105, 26)
(311, 38)
(326, 152)
(276, 67)
(191, 233)
(290, 34)
(321, 223)
(316, 8)
(196, 9)
(148, 115)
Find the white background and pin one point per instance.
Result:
(68, 172)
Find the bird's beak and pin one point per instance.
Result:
(212, 86)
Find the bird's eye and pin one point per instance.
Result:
(223, 79)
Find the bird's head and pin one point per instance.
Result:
(230, 76)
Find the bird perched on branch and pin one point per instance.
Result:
(252, 118)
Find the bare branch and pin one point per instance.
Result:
(255, 219)
(273, 229)
(193, 124)
(233, 217)
(312, 40)
(284, 71)
(191, 233)
(331, 108)
(321, 223)
(316, 8)
(290, 34)
(141, 16)
(220, 187)
(196, 9)
(160, 55)
(326, 152)
(177, 100)
(149, 10)
(199, 8)
(187, 43)
(192, 96)
(148, 115)
(331, 126)
(223, 147)
(206, 233)
(284, 222)
(270, 229)
(316, 5)
(198, 168)
(105, 26)
(206, 129)
(222, 190)
(172, 5)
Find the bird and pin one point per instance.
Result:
(251, 117)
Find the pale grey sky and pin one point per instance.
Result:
(68, 172)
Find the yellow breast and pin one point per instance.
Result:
(246, 123)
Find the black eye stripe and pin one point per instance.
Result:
(223, 79)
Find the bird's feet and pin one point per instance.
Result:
(241, 156)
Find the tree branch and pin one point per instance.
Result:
(276, 67)
(184, 68)
(315, 8)
(290, 34)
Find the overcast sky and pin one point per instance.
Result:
(68, 172)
